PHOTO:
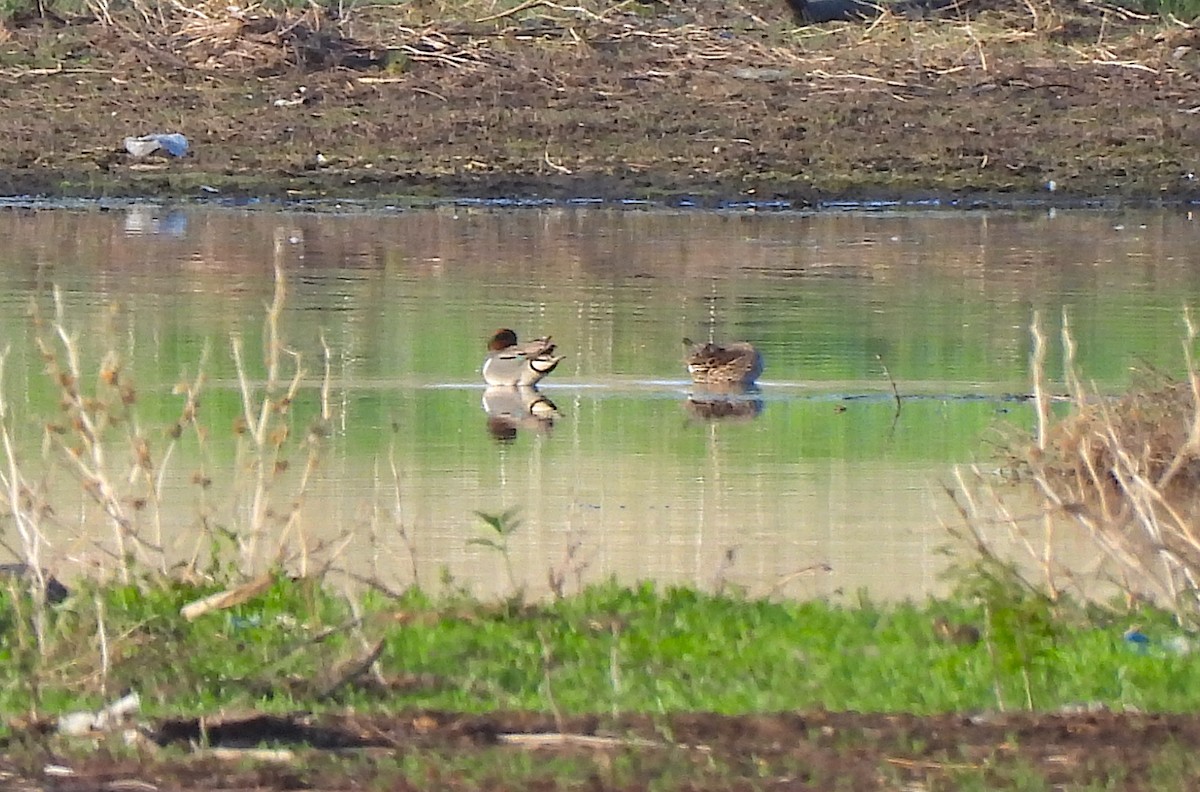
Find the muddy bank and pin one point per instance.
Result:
(700, 102)
(813, 750)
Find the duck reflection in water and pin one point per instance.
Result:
(511, 408)
(724, 376)
(743, 404)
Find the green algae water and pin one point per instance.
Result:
(896, 346)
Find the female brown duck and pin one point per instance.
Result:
(735, 364)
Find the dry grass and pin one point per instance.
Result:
(267, 39)
(1122, 472)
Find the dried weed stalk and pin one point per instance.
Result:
(972, 36)
(267, 533)
(122, 469)
(96, 437)
(24, 501)
(99, 438)
(1124, 471)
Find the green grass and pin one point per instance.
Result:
(613, 652)
(608, 650)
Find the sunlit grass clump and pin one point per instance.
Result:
(1123, 472)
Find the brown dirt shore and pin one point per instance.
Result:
(704, 101)
(799, 751)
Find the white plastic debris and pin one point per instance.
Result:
(77, 724)
(173, 143)
(1179, 644)
(58, 771)
(299, 97)
(118, 711)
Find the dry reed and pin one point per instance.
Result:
(979, 34)
(1123, 473)
(121, 467)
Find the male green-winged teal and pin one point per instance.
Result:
(508, 363)
(736, 364)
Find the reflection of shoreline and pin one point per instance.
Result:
(727, 404)
(512, 408)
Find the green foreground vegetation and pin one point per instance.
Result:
(628, 662)
(608, 650)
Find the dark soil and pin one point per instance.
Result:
(705, 101)
(815, 750)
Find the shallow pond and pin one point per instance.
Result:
(821, 482)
